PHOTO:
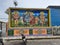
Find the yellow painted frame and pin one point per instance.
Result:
(49, 18)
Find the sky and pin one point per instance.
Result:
(5, 4)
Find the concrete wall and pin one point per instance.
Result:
(3, 29)
(0, 25)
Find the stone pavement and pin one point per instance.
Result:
(35, 42)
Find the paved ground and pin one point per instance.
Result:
(35, 42)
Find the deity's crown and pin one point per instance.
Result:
(42, 13)
(15, 12)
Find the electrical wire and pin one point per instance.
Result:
(3, 18)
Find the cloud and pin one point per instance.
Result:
(4, 4)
